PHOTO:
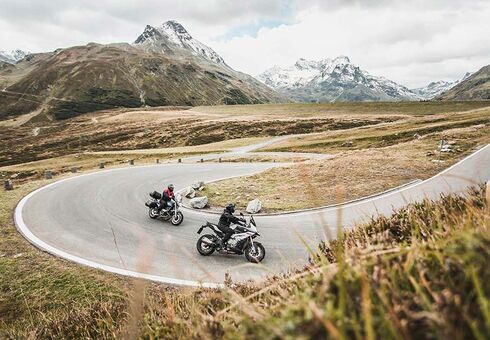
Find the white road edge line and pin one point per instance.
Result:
(24, 230)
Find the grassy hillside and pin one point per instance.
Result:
(420, 274)
(82, 79)
(475, 87)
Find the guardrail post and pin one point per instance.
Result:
(48, 174)
(8, 185)
(101, 165)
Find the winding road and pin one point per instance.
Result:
(100, 220)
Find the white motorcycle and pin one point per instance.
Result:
(241, 242)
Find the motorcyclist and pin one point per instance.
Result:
(168, 198)
(224, 223)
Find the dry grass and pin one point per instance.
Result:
(411, 275)
(177, 126)
(383, 134)
(91, 160)
(361, 172)
(302, 110)
(42, 296)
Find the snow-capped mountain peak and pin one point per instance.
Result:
(12, 57)
(435, 88)
(174, 34)
(332, 79)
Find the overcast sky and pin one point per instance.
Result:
(411, 42)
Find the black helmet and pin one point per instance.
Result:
(230, 207)
(171, 187)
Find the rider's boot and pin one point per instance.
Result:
(222, 245)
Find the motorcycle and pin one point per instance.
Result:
(174, 215)
(241, 242)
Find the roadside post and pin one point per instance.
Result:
(180, 160)
(101, 165)
(48, 174)
(131, 162)
(74, 169)
(158, 161)
(8, 185)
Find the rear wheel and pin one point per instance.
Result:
(177, 218)
(255, 253)
(153, 213)
(205, 245)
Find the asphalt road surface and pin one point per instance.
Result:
(100, 220)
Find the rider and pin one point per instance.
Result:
(224, 223)
(168, 198)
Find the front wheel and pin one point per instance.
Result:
(255, 252)
(205, 244)
(177, 218)
(153, 213)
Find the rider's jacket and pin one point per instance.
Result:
(168, 195)
(226, 219)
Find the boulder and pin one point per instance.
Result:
(348, 144)
(189, 192)
(446, 148)
(199, 185)
(199, 202)
(254, 206)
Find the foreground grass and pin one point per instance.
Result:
(421, 273)
(42, 297)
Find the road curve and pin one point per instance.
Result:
(99, 220)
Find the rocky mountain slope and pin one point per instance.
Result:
(12, 57)
(475, 87)
(435, 88)
(331, 80)
(172, 34)
(165, 66)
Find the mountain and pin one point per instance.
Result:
(331, 80)
(474, 87)
(435, 88)
(164, 66)
(12, 57)
(172, 34)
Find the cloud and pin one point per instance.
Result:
(407, 42)
(410, 41)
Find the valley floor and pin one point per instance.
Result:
(419, 274)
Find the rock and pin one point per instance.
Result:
(199, 202)
(16, 256)
(416, 135)
(430, 153)
(446, 148)
(348, 144)
(190, 192)
(254, 206)
(198, 185)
